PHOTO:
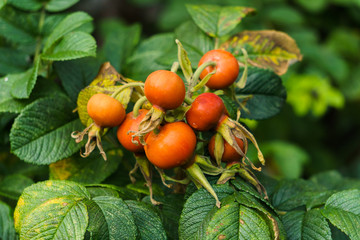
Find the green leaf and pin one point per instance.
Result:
(217, 21)
(230, 106)
(290, 194)
(49, 200)
(59, 5)
(236, 221)
(342, 210)
(120, 37)
(306, 225)
(2, 3)
(41, 133)
(288, 158)
(8, 103)
(144, 60)
(27, 5)
(197, 206)
(92, 170)
(7, 230)
(72, 46)
(17, 26)
(67, 25)
(195, 41)
(13, 61)
(266, 49)
(25, 82)
(170, 210)
(76, 74)
(147, 220)
(263, 95)
(110, 218)
(13, 185)
(60, 218)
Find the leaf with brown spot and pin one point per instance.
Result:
(217, 21)
(267, 49)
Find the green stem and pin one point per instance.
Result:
(136, 84)
(39, 38)
(175, 67)
(198, 71)
(216, 43)
(188, 100)
(138, 105)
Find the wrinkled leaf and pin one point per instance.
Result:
(197, 206)
(110, 218)
(72, 46)
(13, 61)
(266, 49)
(217, 21)
(306, 225)
(342, 210)
(25, 82)
(67, 25)
(263, 96)
(41, 133)
(61, 196)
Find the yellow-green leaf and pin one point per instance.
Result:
(267, 49)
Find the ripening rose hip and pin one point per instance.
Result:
(227, 68)
(131, 123)
(165, 89)
(172, 146)
(205, 112)
(230, 154)
(105, 110)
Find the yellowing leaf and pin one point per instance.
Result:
(266, 49)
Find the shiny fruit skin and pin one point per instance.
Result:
(165, 89)
(227, 68)
(131, 124)
(230, 154)
(106, 111)
(205, 112)
(172, 146)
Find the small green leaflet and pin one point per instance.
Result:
(7, 230)
(59, 5)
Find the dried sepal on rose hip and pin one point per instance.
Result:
(165, 90)
(105, 111)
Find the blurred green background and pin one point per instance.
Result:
(319, 127)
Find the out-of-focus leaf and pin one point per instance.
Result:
(266, 49)
(87, 171)
(13, 61)
(77, 74)
(120, 37)
(284, 15)
(313, 6)
(311, 93)
(40, 134)
(56, 5)
(27, 5)
(25, 82)
(263, 95)
(287, 158)
(2, 3)
(13, 185)
(217, 21)
(7, 230)
(145, 58)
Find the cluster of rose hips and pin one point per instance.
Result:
(168, 144)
